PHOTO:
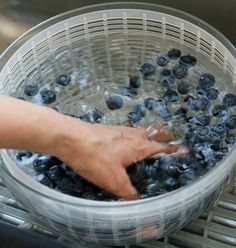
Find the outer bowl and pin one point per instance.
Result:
(113, 223)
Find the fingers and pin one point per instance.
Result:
(160, 133)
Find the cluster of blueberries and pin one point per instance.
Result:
(208, 120)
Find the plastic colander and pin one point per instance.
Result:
(103, 39)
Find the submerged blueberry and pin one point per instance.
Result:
(171, 95)
(183, 88)
(134, 82)
(56, 172)
(127, 91)
(212, 94)
(139, 108)
(181, 113)
(23, 155)
(231, 122)
(180, 71)
(166, 78)
(114, 102)
(162, 60)
(63, 80)
(65, 185)
(188, 60)
(147, 69)
(174, 53)
(229, 100)
(230, 139)
(219, 128)
(203, 119)
(201, 134)
(214, 138)
(187, 177)
(150, 103)
(219, 111)
(134, 117)
(31, 90)
(206, 81)
(47, 181)
(97, 115)
(48, 96)
(170, 183)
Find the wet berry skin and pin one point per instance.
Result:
(47, 181)
(128, 91)
(230, 139)
(139, 108)
(150, 103)
(134, 82)
(66, 185)
(114, 102)
(231, 122)
(183, 88)
(174, 53)
(56, 172)
(63, 80)
(147, 69)
(171, 95)
(162, 60)
(180, 71)
(23, 155)
(229, 100)
(219, 111)
(134, 117)
(219, 129)
(206, 81)
(42, 164)
(48, 96)
(212, 94)
(31, 90)
(188, 60)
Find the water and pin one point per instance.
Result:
(97, 68)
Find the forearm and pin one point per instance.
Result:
(27, 126)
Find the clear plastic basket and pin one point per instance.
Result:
(113, 223)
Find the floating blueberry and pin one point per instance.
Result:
(180, 71)
(65, 185)
(48, 96)
(56, 172)
(231, 122)
(212, 94)
(31, 90)
(63, 80)
(162, 60)
(134, 82)
(127, 91)
(188, 60)
(219, 111)
(214, 138)
(183, 88)
(171, 95)
(97, 115)
(166, 78)
(147, 69)
(203, 119)
(150, 103)
(23, 155)
(174, 53)
(134, 117)
(219, 129)
(229, 100)
(139, 108)
(181, 113)
(114, 102)
(230, 139)
(206, 81)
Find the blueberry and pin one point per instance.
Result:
(213, 138)
(183, 88)
(231, 122)
(23, 155)
(221, 152)
(180, 71)
(187, 177)
(97, 115)
(87, 118)
(43, 163)
(134, 117)
(48, 96)
(127, 91)
(208, 154)
(203, 104)
(219, 111)
(164, 112)
(56, 172)
(229, 100)
(152, 187)
(31, 90)
(166, 78)
(203, 119)
(201, 134)
(174, 53)
(63, 80)
(171, 95)
(168, 165)
(139, 108)
(79, 185)
(170, 183)
(66, 185)
(207, 81)
(150, 103)
(114, 102)
(230, 139)
(47, 181)
(162, 60)
(147, 69)
(134, 82)
(212, 94)
(21, 98)
(219, 129)
(188, 60)
(151, 171)
(181, 113)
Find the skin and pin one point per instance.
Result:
(99, 153)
